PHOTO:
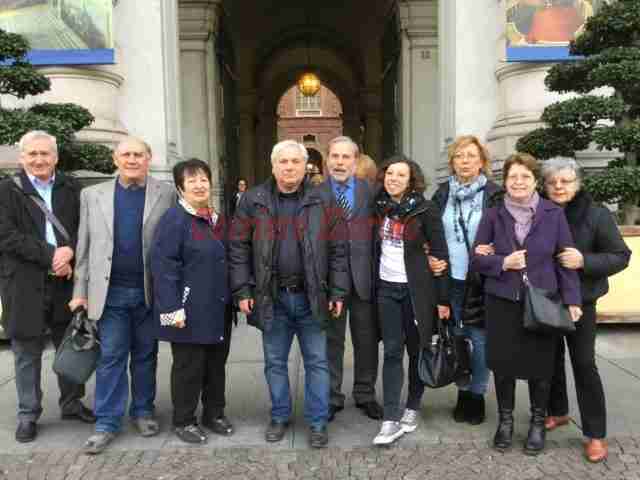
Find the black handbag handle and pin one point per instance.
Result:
(84, 329)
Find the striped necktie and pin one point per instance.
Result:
(343, 203)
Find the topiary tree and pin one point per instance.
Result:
(19, 78)
(607, 112)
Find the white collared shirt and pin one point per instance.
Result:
(45, 190)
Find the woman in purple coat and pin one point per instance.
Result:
(527, 233)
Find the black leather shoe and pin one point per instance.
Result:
(220, 425)
(333, 409)
(371, 409)
(318, 437)
(81, 413)
(26, 432)
(275, 431)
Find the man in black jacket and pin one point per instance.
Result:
(35, 274)
(288, 273)
(355, 199)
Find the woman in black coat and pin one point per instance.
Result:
(193, 302)
(600, 252)
(407, 292)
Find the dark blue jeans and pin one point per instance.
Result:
(477, 336)
(397, 324)
(292, 316)
(125, 328)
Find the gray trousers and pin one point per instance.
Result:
(365, 336)
(27, 355)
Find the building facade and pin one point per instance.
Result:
(205, 78)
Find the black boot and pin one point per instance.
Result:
(463, 355)
(504, 434)
(462, 406)
(475, 413)
(537, 432)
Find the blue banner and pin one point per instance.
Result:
(540, 30)
(62, 32)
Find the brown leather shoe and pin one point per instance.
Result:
(551, 423)
(596, 450)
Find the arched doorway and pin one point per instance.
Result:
(312, 121)
(316, 159)
(272, 55)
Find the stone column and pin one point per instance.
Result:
(268, 137)
(95, 88)
(199, 80)
(351, 127)
(247, 103)
(372, 106)
(420, 83)
(471, 35)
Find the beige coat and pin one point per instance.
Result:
(95, 239)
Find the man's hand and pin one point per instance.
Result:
(484, 250)
(65, 271)
(438, 267)
(571, 258)
(246, 305)
(78, 302)
(335, 308)
(444, 312)
(516, 261)
(61, 257)
(576, 312)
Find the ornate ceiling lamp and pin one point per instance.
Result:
(308, 83)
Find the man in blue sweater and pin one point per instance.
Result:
(112, 280)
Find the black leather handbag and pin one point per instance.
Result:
(544, 311)
(438, 363)
(77, 357)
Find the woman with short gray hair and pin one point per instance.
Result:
(600, 252)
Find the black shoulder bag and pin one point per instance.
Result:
(473, 311)
(544, 311)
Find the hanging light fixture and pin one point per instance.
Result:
(308, 83)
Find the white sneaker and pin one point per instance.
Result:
(389, 432)
(409, 420)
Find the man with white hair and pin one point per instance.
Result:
(289, 275)
(112, 281)
(39, 214)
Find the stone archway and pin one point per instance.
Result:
(316, 158)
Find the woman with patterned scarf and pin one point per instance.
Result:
(406, 290)
(524, 234)
(462, 201)
(192, 301)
